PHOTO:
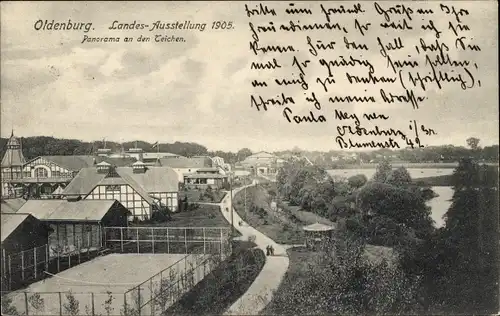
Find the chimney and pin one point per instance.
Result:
(139, 167)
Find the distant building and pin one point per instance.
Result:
(262, 163)
(183, 165)
(141, 189)
(149, 158)
(205, 177)
(40, 177)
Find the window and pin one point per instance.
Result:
(112, 188)
(41, 173)
(56, 173)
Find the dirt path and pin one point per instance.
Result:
(267, 282)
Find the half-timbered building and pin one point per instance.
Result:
(141, 189)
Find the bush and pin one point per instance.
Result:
(160, 216)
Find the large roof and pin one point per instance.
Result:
(63, 210)
(183, 162)
(13, 155)
(73, 163)
(10, 221)
(11, 205)
(159, 155)
(153, 180)
(204, 176)
(116, 161)
(261, 155)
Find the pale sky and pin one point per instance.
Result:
(199, 90)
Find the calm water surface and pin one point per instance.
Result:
(439, 205)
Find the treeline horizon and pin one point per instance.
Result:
(47, 146)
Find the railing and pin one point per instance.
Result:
(167, 239)
(155, 295)
(151, 297)
(23, 268)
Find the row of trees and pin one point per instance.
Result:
(48, 146)
(432, 154)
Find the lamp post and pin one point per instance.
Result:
(231, 204)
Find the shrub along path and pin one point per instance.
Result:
(267, 282)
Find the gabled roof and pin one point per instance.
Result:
(84, 182)
(63, 210)
(261, 154)
(10, 222)
(13, 155)
(11, 205)
(204, 176)
(201, 170)
(117, 161)
(153, 180)
(73, 163)
(147, 155)
(183, 162)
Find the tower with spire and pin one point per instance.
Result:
(12, 164)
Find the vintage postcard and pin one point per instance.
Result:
(249, 158)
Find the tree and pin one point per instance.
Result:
(72, 307)
(470, 237)
(403, 206)
(357, 181)
(473, 143)
(384, 168)
(243, 153)
(399, 177)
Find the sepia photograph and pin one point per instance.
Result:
(249, 158)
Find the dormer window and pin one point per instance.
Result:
(103, 167)
(139, 167)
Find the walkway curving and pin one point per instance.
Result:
(260, 293)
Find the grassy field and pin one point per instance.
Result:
(304, 217)
(199, 196)
(203, 216)
(259, 215)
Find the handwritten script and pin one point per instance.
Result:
(356, 64)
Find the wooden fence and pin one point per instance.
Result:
(23, 268)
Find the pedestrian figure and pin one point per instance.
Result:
(272, 251)
(268, 250)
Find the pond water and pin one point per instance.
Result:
(439, 205)
(414, 172)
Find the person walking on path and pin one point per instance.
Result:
(268, 250)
